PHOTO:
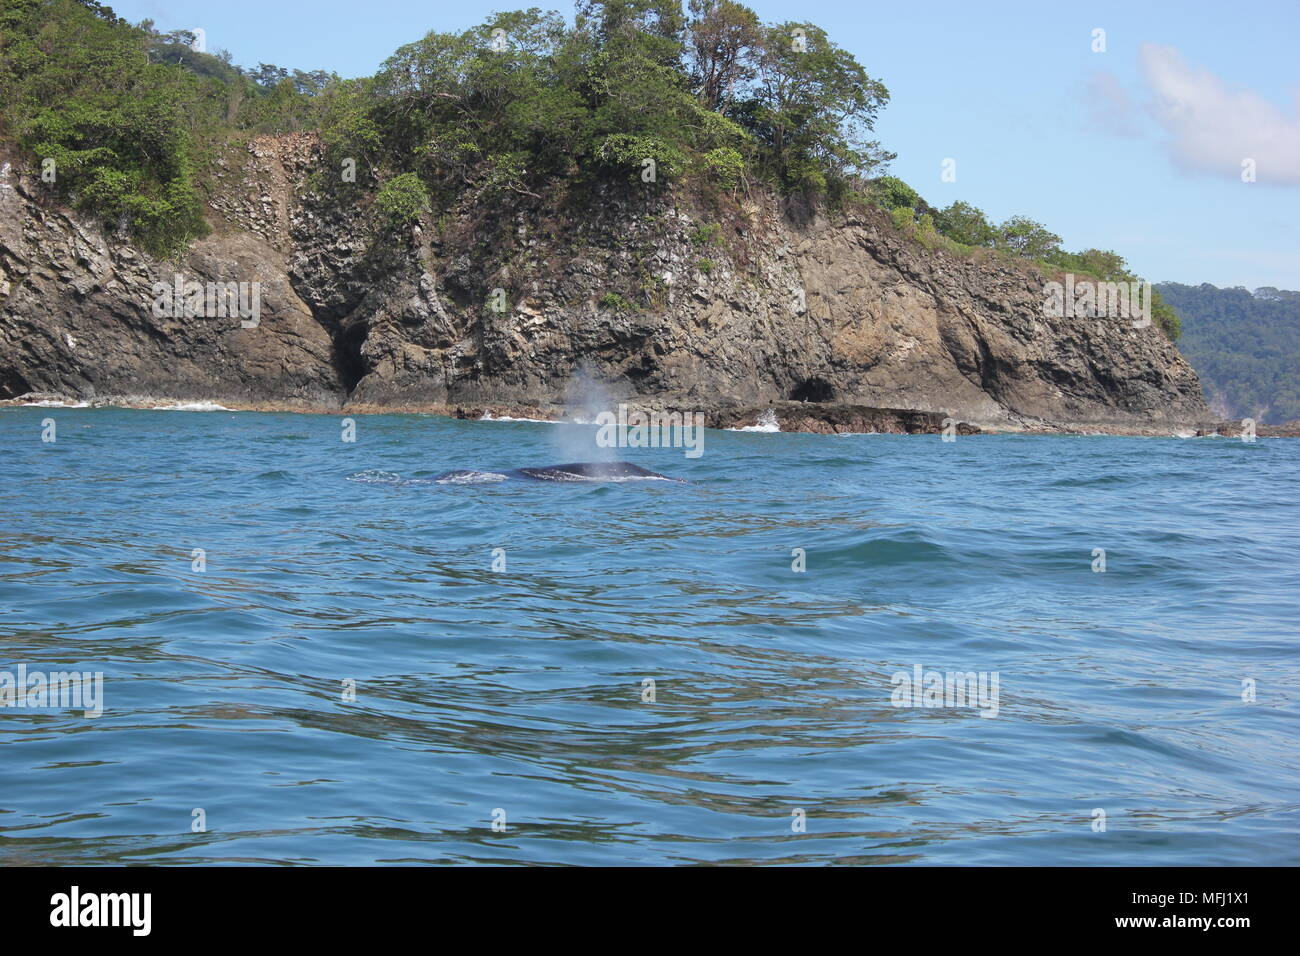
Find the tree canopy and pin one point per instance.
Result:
(131, 118)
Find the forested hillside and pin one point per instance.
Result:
(1245, 346)
(709, 98)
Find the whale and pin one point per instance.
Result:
(575, 471)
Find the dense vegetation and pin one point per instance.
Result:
(635, 88)
(1245, 346)
(643, 89)
(126, 116)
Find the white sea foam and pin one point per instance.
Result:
(191, 407)
(376, 477)
(471, 477)
(489, 417)
(55, 403)
(766, 423)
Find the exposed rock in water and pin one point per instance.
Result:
(839, 419)
(1235, 428)
(733, 310)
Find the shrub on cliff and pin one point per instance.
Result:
(726, 165)
(1101, 263)
(1165, 316)
(402, 200)
(614, 302)
(904, 218)
(647, 158)
(890, 193)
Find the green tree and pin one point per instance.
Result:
(634, 29)
(1021, 236)
(964, 223)
(811, 108)
(723, 39)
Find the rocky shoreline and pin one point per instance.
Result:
(791, 417)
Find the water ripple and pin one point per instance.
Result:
(336, 659)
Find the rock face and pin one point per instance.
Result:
(728, 307)
(77, 316)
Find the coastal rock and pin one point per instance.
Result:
(79, 319)
(838, 419)
(1234, 428)
(841, 324)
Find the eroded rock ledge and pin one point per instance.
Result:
(814, 417)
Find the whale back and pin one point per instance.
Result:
(575, 471)
(589, 471)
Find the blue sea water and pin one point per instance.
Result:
(518, 694)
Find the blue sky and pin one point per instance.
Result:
(1137, 148)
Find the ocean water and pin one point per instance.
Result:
(346, 677)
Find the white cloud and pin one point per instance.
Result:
(1212, 127)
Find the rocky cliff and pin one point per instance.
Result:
(727, 306)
